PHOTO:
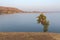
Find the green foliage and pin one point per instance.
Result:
(42, 19)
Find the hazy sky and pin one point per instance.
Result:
(44, 5)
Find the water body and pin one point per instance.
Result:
(27, 22)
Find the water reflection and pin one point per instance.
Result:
(43, 20)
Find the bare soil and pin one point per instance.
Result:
(29, 36)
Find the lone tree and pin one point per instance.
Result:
(43, 20)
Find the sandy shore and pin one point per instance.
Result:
(29, 36)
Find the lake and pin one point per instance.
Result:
(27, 22)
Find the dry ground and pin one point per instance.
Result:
(29, 36)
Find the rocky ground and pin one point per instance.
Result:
(28, 36)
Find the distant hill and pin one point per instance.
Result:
(7, 10)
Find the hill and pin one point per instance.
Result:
(7, 10)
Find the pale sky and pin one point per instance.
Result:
(44, 5)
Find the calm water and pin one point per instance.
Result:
(28, 23)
